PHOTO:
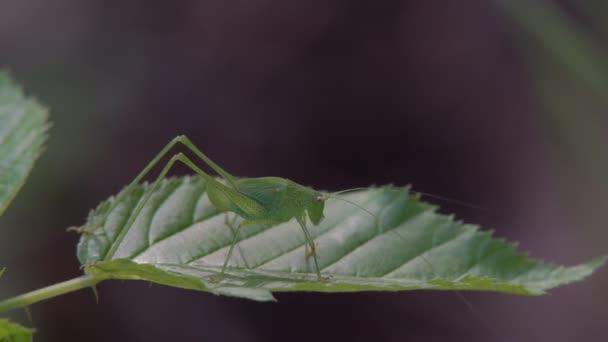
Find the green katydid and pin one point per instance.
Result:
(264, 200)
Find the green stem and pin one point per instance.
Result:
(48, 292)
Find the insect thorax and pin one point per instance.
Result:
(282, 198)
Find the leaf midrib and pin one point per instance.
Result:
(194, 223)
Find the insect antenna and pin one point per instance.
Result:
(455, 201)
(350, 202)
(430, 195)
(350, 190)
(462, 298)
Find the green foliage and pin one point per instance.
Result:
(564, 47)
(23, 126)
(22, 132)
(11, 332)
(180, 239)
(556, 33)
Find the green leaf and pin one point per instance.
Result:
(181, 240)
(12, 332)
(23, 129)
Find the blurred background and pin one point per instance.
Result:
(501, 104)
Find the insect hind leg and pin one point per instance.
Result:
(180, 139)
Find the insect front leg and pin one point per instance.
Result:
(313, 250)
(310, 242)
(230, 224)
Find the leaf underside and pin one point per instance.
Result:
(180, 239)
(23, 129)
(12, 332)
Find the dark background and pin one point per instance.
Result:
(497, 104)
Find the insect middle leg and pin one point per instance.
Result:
(215, 279)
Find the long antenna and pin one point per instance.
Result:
(353, 203)
(460, 296)
(349, 190)
(427, 194)
(448, 199)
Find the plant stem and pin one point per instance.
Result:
(48, 292)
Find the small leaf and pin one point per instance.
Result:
(12, 332)
(23, 129)
(180, 239)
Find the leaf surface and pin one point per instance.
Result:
(23, 129)
(180, 239)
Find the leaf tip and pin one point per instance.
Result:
(596, 263)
